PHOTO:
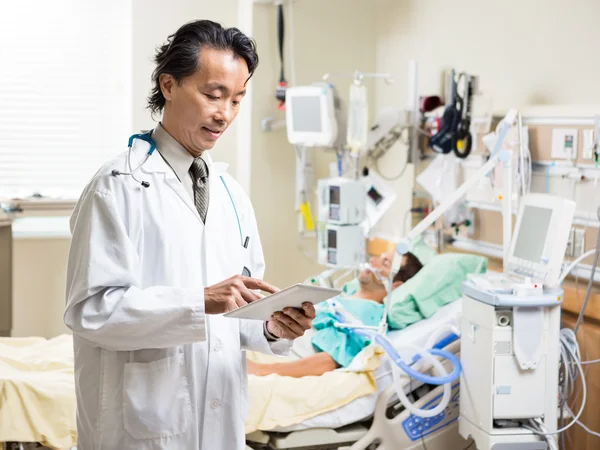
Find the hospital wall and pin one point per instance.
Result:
(525, 53)
(39, 261)
(153, 22)
(330, 36)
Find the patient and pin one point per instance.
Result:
(337, 347)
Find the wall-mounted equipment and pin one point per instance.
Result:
(311, 116)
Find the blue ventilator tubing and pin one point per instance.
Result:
(436, 351)
(440, 344)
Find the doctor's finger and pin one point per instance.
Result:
(283, 331)
(248, 295)
(254, 283)
(287, 320)
(309, 310)
(299, 316)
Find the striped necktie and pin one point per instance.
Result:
(199, 173)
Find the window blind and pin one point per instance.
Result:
(65, 93)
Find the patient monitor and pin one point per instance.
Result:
(538, 247)
(510, 333)
(341, 201)
(311, 115)
(348, 211)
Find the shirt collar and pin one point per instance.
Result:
(174, 153)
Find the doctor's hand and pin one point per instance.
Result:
(291, 323)
(233, 293)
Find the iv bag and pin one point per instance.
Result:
(358, 118)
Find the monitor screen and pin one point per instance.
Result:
(532, 233)
(331, 239)
(307, 114)
(375, 195)
(334, 195)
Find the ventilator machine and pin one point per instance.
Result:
(510, 346)
(510, 336)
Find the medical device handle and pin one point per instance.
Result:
(497, 155)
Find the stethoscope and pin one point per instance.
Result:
(147, 137)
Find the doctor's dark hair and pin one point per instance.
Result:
(409, 269)
(180, 55)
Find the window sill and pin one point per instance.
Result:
(42, 227)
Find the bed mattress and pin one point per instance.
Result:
(362, 408)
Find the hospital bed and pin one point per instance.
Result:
(379, 419)
(370, 418)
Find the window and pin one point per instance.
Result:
(65, 93)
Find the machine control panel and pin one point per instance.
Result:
(417, 427)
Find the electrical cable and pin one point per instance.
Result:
(280, 92)
(569, 356)
(595, 361)
(383, 146)
(292, 43)
(590, 281)
(584, 426)
(580, 305)
(395, 177)
(574, 264)
(538, 427)
(301, 159)
(280, 36)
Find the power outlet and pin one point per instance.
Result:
(564, 143)
(578, 242)
(570, 244)
(471, 219)
(588, 144)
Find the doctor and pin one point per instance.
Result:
(157, 257)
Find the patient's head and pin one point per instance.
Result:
(370, 283)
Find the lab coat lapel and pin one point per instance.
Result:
(156, 164)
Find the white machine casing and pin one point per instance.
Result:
(341, 201)
(493, 387)
(510, 333)
(311, 115)
(341, 246)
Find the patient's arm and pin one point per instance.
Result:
(313, 365)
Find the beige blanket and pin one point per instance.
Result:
(37, 396)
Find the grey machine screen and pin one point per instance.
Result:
(307, 114)
(532, 233)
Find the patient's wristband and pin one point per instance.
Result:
(270, 337)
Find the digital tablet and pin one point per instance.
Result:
(292, 296)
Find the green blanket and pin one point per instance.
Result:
(437, 284)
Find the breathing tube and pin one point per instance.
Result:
(446, 379)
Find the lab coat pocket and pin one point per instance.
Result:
(156, 398)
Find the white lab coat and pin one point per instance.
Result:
(152, 370)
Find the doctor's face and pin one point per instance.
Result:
(202, 106)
